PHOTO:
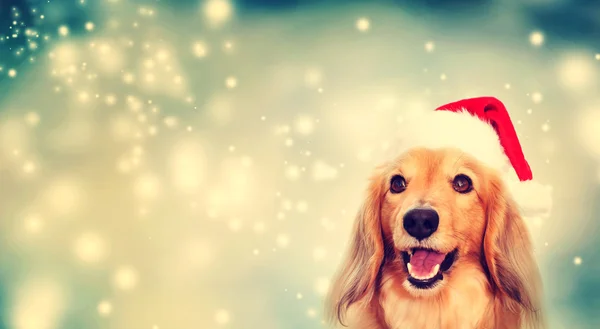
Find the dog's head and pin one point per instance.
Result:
(430, 213)
(433, 215)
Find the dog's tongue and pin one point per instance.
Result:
(422, 262)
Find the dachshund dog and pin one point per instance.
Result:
(439, 243)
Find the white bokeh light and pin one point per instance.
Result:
(319, 254)
(292, 172)
(147, 186)
(197, 254)
(323, 171)
(313, 77)
(34, 223)
(577, 72)
(14, 135)
(63, 196)
(63, 30)
(536, 38)
(187, 165)
(107, 57)
(304, 125)
(588, 125)
(217, 12)
(32, 119)
(537, 97)
(38, 304)
(90, 247)
(200, 49)
(231, 82)
(222, 317)
(104, 308)
(429, 46)
(220, 108)
(283, 240)
(322, 286)
(363, 24)
(125, 278)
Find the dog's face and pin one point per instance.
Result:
(433, 212)
(430, 218)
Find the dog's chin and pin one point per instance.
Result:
(425, 269)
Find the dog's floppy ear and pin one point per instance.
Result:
(509, 257)
(359, 272)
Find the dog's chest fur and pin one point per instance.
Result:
(465, 304)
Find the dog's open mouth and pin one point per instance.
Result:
(426, 267)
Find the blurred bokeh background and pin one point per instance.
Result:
(172, 164)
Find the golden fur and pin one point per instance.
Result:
(493, 284)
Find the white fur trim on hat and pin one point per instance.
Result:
(533, 198)
(462, 130)
(441, 129)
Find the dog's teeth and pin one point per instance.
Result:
(433, 272)
(428, 276)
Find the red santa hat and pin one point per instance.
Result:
(482, 128)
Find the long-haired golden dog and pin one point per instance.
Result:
(438, 244)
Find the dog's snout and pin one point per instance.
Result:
(421, 223)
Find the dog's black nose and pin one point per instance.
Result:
(421, 223)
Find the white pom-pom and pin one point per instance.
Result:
(533, 198)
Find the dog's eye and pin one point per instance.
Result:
(462, 184)
(398, 184)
